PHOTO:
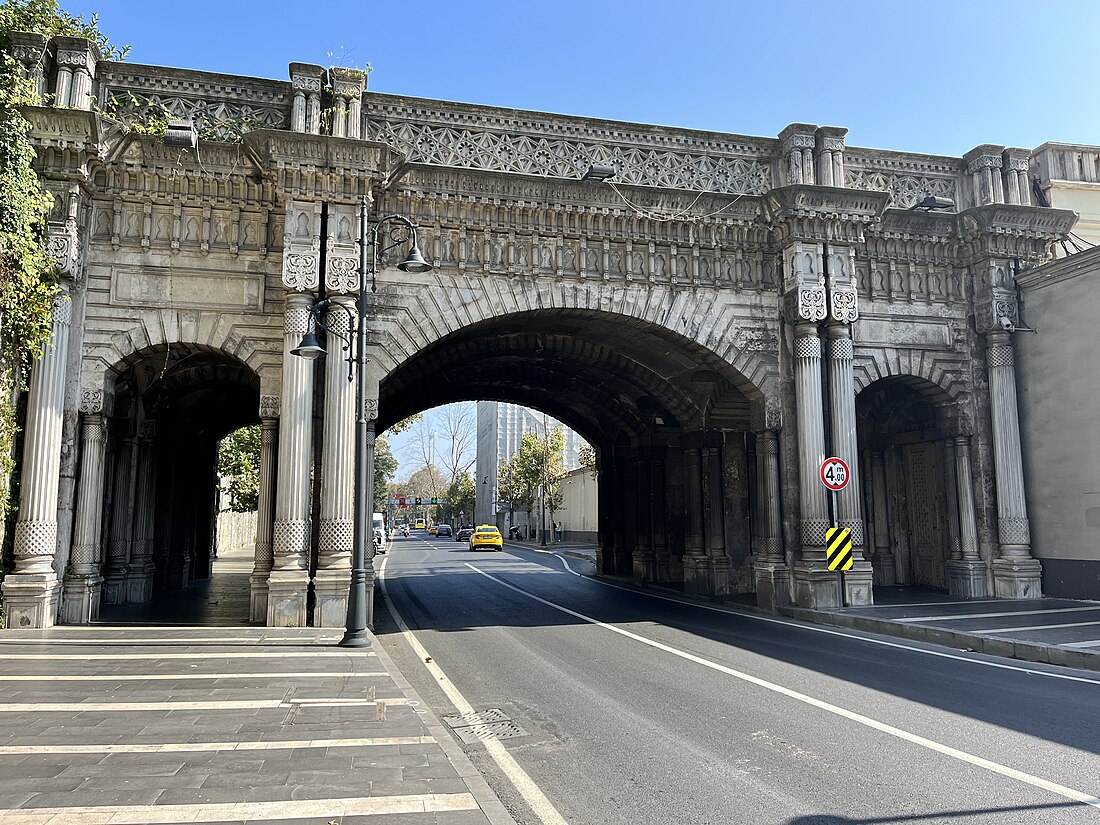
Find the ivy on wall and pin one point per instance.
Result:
(28, 282)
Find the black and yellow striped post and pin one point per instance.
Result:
(838, 548)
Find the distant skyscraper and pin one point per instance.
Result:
(500, 431)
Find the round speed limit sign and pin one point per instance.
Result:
(834, 473)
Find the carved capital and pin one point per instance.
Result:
(773, 414)
(300, 270)
(342, 276)
(844, 304)
(983, 157)
(811, 304)
(91, 402)
(270, 406)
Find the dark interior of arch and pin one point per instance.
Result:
(607, 376)
(172, 407)
(899, 406)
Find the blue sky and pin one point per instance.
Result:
(932, 76)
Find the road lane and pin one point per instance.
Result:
(662, 739)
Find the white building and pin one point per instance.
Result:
(500, 431)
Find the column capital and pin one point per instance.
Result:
(270, 406)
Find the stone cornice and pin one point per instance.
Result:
(927, 226)
(824, 213)
(1028, 222)
(1080, 264)
(279, 149)
(57, 128)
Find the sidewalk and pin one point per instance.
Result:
(228, 724)
(1055, 631)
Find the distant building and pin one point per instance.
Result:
(500, 431)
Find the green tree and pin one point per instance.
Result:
(385, 467)
(587, 456)
(512, 489)
(460, 498)
(239, 468)
(539, 467)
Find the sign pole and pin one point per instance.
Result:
(839, 572)
(834, 474)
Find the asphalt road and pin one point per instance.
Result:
(646, 710)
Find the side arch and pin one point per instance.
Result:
(938, 370)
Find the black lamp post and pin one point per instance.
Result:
(403, 231)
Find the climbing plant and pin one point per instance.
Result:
(28, 282)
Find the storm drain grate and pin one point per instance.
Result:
(472, 734)
(481, 726)
(477, 717)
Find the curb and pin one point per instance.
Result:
(1005, 648)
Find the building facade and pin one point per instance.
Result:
(732, 311)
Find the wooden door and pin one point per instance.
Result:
(927, 505)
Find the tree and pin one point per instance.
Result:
(540, 467)
(460, 498)
(513, 490)
(427, 483)
(239, 466)
(460, 438)
(587, 457)
(385, 467)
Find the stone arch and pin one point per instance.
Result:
(732, 332)
(938, 371)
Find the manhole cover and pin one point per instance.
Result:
(477, 717)
(472, 734)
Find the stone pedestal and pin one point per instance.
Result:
(773, 585)
(286, 598)
(176, 574)
(30, 600)
(815, 587)
(645, 566)
(966, 578)
(697, 575)
(1016, 577)
(857, 584)
(331, 590)
(81, 599)
(139, 581)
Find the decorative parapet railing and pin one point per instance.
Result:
(1068, 162)
(906, 178)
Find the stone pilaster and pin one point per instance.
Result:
(966, 573)
(76, 65)
(31, 591)
(139, 578)
(264, 558)
(797, 143)
(32, 51)
(347, 94)
(842, 401)
(337, 527)
(120, 527)
(644, 561)
(658, 515)
(770, 565)
(696, 566)
(1015, 169)
(815, 585)
(305, 112)
(830, 155)
(289, 578)
(883, 562)
(983, 164)
(1016, 574)
(83, 588)
(718, 561)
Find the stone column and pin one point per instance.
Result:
(337, 529)
(76, 61)
(644, 566)
(139, 578)
(815, 584)
(264, 558)
(842, 403)
(84, 588)
(885, 570)
(657, 513)
(289, 579)
(718, 562)
(965, 574)
(770, 565)
(696, 566)
(306, 80)
(31, 591)
(1016, 575)
(120, 528)
(954, 548)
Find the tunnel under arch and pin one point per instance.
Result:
(669, 420)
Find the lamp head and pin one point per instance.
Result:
(308, 348)
(599, 173)
(414, 262)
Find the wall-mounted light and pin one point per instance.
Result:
(599, 174)
(181, 134)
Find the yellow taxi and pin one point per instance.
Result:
(420, 524)
(486, 537)
(431, 530)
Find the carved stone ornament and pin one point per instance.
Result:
(300, 271)
(841, 349)
(343, 275)
(807, 347)
(370, 409)
(811, 304)
(91, 402)
(302, 83)
(773, 414)
(296, 321)
(62, 309)
(35, 538)
(845, 304)
(75, 59)
(269, 406)
(147, 429)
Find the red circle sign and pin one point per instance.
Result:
(834, 473)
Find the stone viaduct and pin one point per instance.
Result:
(715, 319)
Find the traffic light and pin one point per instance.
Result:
(419, 500)
(435, 500)
(401, 501)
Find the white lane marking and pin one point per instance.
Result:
(191, 747)
(1095, 643)
(849, 635)
(224, 704)
(206, 812)
(939, 747)
(519, 778)
(955, 616)
(168, 677)
(1035, 627)
(195, 655)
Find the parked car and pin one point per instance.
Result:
(486, 537)
(442, 530)
(464, 533)
(380, 538)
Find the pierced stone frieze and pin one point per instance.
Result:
(213, 119)
(563, 158)
(904, 190)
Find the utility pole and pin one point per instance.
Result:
(545, 474)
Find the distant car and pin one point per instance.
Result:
(420, 524)
(443, 530)
(432, 529)
(464, 533)
(379, 541)
(486, 537)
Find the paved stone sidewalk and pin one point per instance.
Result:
(221, 724)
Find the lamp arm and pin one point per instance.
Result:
(327, 305)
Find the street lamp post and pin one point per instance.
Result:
(404, 231)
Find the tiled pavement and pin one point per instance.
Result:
(172, 724)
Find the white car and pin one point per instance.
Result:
(381, 541)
